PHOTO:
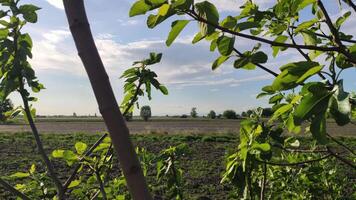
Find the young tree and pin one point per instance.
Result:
(326, 52)
(145, 112)
(193, 112)
(119, 133)
(212, 114)
(229, 114)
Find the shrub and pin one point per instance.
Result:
(229, 114)
(212, 114)
(145, 112)
(193, 112)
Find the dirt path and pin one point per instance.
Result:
(181, 126)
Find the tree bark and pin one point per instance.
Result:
(108, 106)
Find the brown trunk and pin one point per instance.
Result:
(108, 106)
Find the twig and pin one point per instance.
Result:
(352, 4)
(329, 37)
(297, 163)
(13, 190)
(301, 150)
(344, 160)
(251, 37)
(257, 64)
(76, 169)
(335, 33)
(306, 56)
(102, 189)
(341, 144)
(263, 185)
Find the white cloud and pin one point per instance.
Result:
(56, 3)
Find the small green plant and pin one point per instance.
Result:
(145, 112)
(168, 171)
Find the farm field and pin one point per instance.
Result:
(203, 165)
(162, 126)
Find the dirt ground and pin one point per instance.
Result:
(171, 127)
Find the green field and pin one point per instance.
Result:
(203, 166)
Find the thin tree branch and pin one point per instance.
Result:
(264, 180)
(306, 56)
(102, 188)
(13, 190)
(77, 167)
(133, 99)
(329, 37)
(297, 163)
(352, 4)
(301, 150)
(251, 37)
(257, 64)
(344, 160)
(335, 32)
(341, 144)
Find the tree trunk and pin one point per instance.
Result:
(108, 106)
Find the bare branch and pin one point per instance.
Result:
(264, 180)
(341, 144)
(297, 163)
(335, 33)
(77, 167)
(342, 159)
(13, 190)
(251, 37)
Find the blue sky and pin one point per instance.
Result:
(185, 68)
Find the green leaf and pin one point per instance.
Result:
(32, 169)
(3, 33)
(29, 12)
(342, 19)
(314, 101)
(279, 39)
(262, 147)
(309, 73)
(80, 147)
(309, 38)
(280, 111)
(163, 10)
(244, 63)
(229, 22)
(305, 25)
(20, 175)
(139, 8)
(198, 37)
(246, 25)
(177, 27)
(74, 184)
(163, 89)
(70, 157)
(259, 57)
(276, 98)
(295, 73)
(340, 107)
(57, 153)
(225, 45)
(207, 11)
(318, 127)
(219, 61)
